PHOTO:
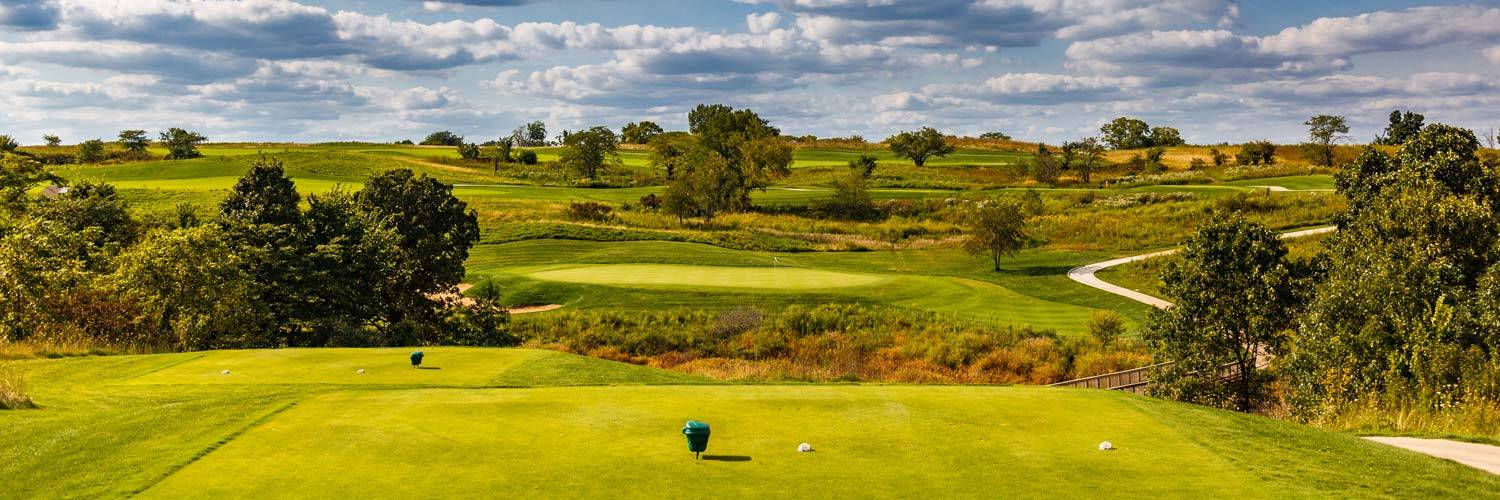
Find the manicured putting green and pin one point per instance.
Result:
(656, 275)
(897, 442)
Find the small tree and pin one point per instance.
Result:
(1089, 152)
(531, 134)
(920, 145)
(1256, 153)
(264, 195)
(500, 152)
(1233, 303)
(91, 151)
(8, 145)
(1403, 127)
(134, 141)
(52, 140)
(997, 229)
(995, 136)
(589, 151)
(640, 133)
(1106, 326)
(1166, 137)
(181, 144)
(443, 138)
(1045, 168)
(527, 157)
(468, 151)
(1217, 157)
(1324, 130)
(864, 166)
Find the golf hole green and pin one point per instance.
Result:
(786, 278)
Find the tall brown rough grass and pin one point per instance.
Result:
(14, 393)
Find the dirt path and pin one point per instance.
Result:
(1479, 456)
(1085, 274)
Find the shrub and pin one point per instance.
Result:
(651, 202)
(589, 211)
(1257, 153)
(14, 393)
(527, 157)
(1106, 326)
(1197, 164)
(1218, 157)
(468, 151)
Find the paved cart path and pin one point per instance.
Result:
(1480, 456)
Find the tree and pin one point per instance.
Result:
(865, 165)
(181, 144)
(468, 151)
(192, 292)
(702, 186)
(920, 145)
(443, 138)
(640, 133)
(1046, 167)
(532, 134)
(1406, 313)
(995, 136)
(88, 205)
(52, 140)
(591, 150)
(753, 151)
(134, 141)
(1088, 152)
(18, 176)
(1233, 304)
(91, 151)
(997, 229)
(527, 157)
(1166, 137)
(42, 264)
(1105, 326)
(264, 195)
(1324, 130)
(1126, 133)
(8, 145)
(668, 149)
(500, 152)
(435, 231)
(1256, 153)
(1403, 127)
(1217, 157)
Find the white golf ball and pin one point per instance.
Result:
(226, 372)
(1106, 446)
(804, 447)
(360, 371)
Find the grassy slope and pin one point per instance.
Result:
(99, 436)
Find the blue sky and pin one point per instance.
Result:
(1052, 70)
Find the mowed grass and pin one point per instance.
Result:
(890, 442)
(649, 275)
(1293, 182)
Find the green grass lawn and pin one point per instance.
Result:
(103, 430)
(1294, 182)
(655, 275)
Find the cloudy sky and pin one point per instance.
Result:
(315, 70)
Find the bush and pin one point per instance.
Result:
(589, 211)
(14, 393)
(527, 157)
(1257, 153)
(1218, 157)
(1106, 326)
(651, 202)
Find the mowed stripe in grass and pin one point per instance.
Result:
(441, 366)
(652, 275)
(894, 442)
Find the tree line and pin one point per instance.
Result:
(373, 267)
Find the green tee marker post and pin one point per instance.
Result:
(416, 359)
(697, 437)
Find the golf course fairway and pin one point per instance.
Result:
(648, 275)
(529, 423)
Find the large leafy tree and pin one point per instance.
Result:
(702, 185)
(1406, 312)
(8, 144)
(18, 175)
(92, 205)
(52, 140)
(589, 151)
(736, 149)
(640, 132)
(435, 231)
(192, 291)
(443, 138)
(1234, 302)
(181, 144)
(1127, 133)
(91, 151)
(1086, 154)
(997, 229)
(920, 145)
(264, 195)
(135, 141)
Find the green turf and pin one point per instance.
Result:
(648, 275)
(894, 442)
(1294, 182)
